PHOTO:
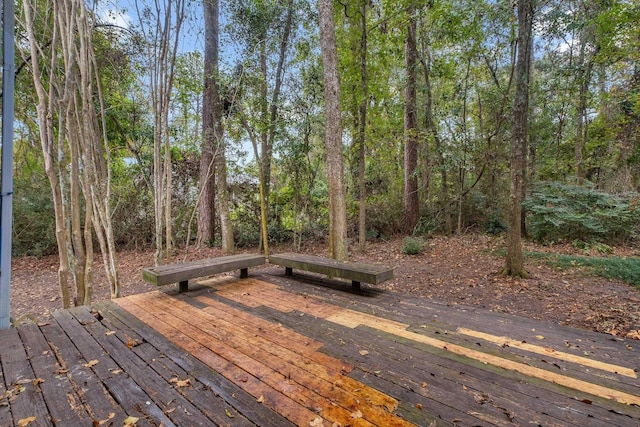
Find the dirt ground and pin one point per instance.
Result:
(455, 270)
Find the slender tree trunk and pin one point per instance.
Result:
(362, 140)
(515, 259)
(269, 120)
(206, 199)
(75, 163)
(429, 122)
(217, 128)
(411, 200)
(206, 205)
(161, 25)
(333, 138)
(584, 79)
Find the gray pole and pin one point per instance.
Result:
(8, 76)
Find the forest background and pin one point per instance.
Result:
(112, 142)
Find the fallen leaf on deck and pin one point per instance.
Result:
(316, 422)
(181, 383)
(38, 381)
(91, 363)
(540, 337)
(634, 334)
(26, 421)
(424, 384)
(130, 421)
(363, 352)
(109, 418)
(110, 332)
(229, 414)
(116, 371)
(260, 399)
(357, 414)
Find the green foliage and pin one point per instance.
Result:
(34, 228)
(412, 246)
(626, 269)
(560, 212)
(495, 224)
(592, 246)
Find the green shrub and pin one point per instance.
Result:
(559, 212)
(495, 224)
(412, 246)
(626, 269)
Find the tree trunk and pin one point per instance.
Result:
(362, 141)
(206, 195)
(585, 67)
(411, 200)
(75, 162)
(515, 260)
(161, 26)
(217, 128)
(333, 138)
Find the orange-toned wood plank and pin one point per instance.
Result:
(276, 333)
(254, 294)
(323, 379)
(546, 351)
(287, 378)
(319, 364)
(275, 399)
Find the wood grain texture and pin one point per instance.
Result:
(178, 272)
(355, 271)
(274, 351)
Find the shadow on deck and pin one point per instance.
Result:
(276, 351)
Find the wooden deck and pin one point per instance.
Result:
(273, 351)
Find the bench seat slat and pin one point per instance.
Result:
(181, 272)
(355, 271)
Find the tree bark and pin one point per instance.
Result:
(411, 199)
(333, 136)
(515, 260)
(76, 162)
(362, 132)
(161, 26)
(211, 97)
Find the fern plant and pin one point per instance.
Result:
(560, 212)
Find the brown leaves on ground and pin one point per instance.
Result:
(454, 270)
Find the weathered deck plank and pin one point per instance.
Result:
(219, 386)
(63, 403)
(272, 351)
(26, 400)
(168, 405)
(96, 398)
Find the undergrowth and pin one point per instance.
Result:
(626, 269)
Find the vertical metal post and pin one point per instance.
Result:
(6, 190)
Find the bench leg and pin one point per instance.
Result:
(355, 285)
(183, 286)
(244, 273)
(288, 271)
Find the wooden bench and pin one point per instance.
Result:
(182, 272)
(355, 271)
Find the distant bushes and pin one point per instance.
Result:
(559, 212)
